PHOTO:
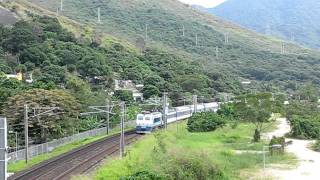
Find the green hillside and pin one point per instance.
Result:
(295, 20)
(247, 54)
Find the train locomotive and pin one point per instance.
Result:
(146, 121)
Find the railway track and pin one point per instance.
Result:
(78, 161)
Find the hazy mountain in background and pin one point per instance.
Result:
(295, 20)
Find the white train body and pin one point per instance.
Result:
(147, 122)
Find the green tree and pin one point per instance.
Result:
(33, 55)
(255, 108)
(205, 122)
(8, 88)
(93, 65)
(55, 125)
(149, 91)
(20, 37)
(227, 110)
(52, 73)
(124, 95)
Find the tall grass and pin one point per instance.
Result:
(176, 145)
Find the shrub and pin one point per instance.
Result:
(190, 166)
(305, 127)
(277, 141)
(205, 122)
(124, 95)
(143, 175)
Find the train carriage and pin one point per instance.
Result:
(147, 121)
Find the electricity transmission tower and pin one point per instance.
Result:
(226, 38)
(217, 52)
(99, 15)
(183, 30)
(282, 48)
(61, 5)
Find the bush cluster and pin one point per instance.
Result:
(176, 166)
(143, 175)
(305, 127)
(277, 141)
(205, 122)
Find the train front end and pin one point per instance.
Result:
(146, 122)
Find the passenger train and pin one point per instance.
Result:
(148, 121)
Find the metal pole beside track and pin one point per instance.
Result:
(195, 102)
(3, 148)
(122, 106)
(26, 133)
(164, 111)
(107, 115)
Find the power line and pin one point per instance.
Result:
(26, 123)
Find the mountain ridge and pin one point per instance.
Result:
(291, 20)
(245, 55)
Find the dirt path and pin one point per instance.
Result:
(309, 161)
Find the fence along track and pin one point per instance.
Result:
(72, 160)
(35, 150)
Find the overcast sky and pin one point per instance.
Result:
(204, 3)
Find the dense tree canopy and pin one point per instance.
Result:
(56, 124)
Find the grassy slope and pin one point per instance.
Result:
(247, 55)
(80, 30)
(219, 145)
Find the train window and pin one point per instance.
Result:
(157, 120)
(147, 118)
(140, 118)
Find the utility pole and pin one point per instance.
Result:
(61, 5)
(183, 30)
(99, 15)
(282, 48)
(165, 109)
(226, 38)
(26, 133)
(101, 110)
(3, 148)
(108, 115)
(217, 52)
(122, 106)
(57, 13)
(196, 39)
(26, 126)
(146, 33)
(195, 102)
(292, 36)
